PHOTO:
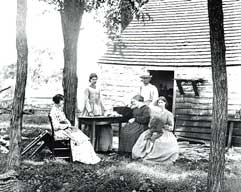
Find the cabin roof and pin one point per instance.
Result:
(177, 35)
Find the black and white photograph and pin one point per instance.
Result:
(120, 96)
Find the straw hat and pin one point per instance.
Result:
(146, 75)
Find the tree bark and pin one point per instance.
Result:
(19, 93)
(220, 97)
(71, 16)
(126, 13)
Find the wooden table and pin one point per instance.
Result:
(99, 120)
(231, 122)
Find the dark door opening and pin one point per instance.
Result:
(164, 81)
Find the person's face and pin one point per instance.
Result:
(161, 103)
(93, 80)
(134, 103)
(61, 103)
(146, 80)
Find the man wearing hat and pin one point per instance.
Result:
(147, 90)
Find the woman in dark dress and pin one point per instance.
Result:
(136, 125)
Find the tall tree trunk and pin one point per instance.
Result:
(71, 16)
(21, 78)
(220, 97)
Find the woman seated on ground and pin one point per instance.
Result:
(158, 143)
(81, 148)
(136, 125)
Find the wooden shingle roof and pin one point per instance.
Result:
(177, 35)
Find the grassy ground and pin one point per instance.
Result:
(114, 173)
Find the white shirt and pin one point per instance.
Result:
(149, 92)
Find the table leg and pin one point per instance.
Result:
(93, 134)
(230, 134)
(79, 125)
(120, 126)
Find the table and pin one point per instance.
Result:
(231, 122)
(99, 120)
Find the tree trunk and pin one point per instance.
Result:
(19, 93)
(126, 13)
(220, 97)
(71, 16)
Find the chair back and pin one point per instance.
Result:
(60, 148)
(51, 124)
(174, 126)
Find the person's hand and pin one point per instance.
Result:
(155, 136)
(63, 122)
(148, 136)
(131, 120)
(74, 129)
(67, 129)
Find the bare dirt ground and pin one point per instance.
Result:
(116, 172)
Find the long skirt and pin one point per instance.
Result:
(163, 150)
(104, 137)
(129, 135)
(81, 148)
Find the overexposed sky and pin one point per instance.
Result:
(44, 32)
(7, 32)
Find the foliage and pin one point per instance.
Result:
(110, 175)
(44, 71)
(9, 71)
(114, 14)
(43, 68)
(118, 14)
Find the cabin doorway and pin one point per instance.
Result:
(164, 81)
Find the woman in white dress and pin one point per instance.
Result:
(81, 147)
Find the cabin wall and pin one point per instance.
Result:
(234, 100)
(119, 84)
(193, 113)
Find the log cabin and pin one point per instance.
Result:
(173, 44)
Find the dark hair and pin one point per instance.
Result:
(92, 75)
(57, 98)
(138, 98)
(163, 99)
(155, 122)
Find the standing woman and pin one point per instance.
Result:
(93, 106)
(81, 147)
(139, 123)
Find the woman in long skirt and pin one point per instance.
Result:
(81, 147)
(158, 144)
(94, 107)
(136, 125)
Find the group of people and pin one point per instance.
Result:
(147, 136)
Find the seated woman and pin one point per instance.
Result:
(81, 148)
(158, 144)
(136, 125)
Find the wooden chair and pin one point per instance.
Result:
(39, 143)
(60, 148)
